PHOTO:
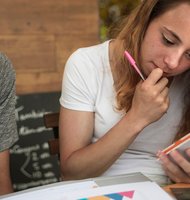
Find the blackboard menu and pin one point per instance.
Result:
(31, 163)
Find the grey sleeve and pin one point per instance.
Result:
(8, 127)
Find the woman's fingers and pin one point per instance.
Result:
(177, 168)
(154, 76)
(181, 161)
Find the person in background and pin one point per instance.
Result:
(111, 121)
(8, 128)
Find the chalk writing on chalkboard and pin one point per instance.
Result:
(31, 163)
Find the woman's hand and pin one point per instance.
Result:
(178, 170)
(151, 99)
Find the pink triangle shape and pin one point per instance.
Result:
(128, 194)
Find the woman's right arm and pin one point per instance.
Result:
(79, 158)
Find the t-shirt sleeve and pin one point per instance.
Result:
(8, 128)
(79, 83)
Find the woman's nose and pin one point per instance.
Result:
(172, 60)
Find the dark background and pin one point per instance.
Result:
(31, 163)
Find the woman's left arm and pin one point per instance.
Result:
(178, 170)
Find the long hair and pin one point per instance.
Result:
(129, 35)
(185, 122)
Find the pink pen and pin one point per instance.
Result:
(132, 62)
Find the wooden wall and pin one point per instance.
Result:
(39, 35)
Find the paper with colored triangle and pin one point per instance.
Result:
(128, 195)
(130, 191)
(114, 196)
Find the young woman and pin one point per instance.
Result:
(112, 122)
(8, 128)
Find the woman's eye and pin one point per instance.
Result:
(167, 41)
(188, 55)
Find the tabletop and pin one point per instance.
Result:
(176, 185)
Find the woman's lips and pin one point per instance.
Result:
(165, 73)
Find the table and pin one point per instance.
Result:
(101, 181)
(177, 185)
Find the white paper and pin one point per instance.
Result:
(53, 193)
(142, 191)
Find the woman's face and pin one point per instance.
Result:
(166, 44)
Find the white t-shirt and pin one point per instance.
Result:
(88, 86)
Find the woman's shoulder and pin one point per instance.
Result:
(89, 57)
(91, 51)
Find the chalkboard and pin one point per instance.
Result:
(31, 163)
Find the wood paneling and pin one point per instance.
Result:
(38, 36)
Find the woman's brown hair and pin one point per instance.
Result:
(185, 123)
(129, 35)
